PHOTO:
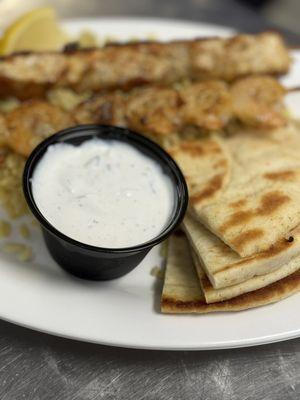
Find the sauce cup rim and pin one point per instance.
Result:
(124, 135)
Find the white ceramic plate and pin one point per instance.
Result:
(125, 312)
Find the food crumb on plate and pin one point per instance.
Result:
(157, 272)
(24, 231)
(34, 223)
(5, 229)
(11, 194)
(22, 251)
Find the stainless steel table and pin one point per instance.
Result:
(35, 366)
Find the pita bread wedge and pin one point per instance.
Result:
(182, 292)
(261, 203)
(206, 167)
(224, 267)
(213, 295)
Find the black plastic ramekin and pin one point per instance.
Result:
(91, 262)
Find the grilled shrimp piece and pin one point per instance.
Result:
(258, 101)
(32, 122)
(206, 105)
(154, 111)
(107, 109)
(29, 75)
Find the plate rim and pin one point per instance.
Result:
(131, 19)
(120, 344)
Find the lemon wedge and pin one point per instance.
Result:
(36, 30)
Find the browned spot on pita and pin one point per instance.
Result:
(213, 148)
(238, 218)
(195, 149)
(246, 237)
(280, 176)
(270, 202)
(192, 148)
(214, 184)
(239, 203)
(221, 164)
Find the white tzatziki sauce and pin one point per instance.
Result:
(104, 193)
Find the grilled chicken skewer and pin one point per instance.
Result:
(126, 66)
(157, 112)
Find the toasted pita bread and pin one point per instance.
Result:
(213, 295)
(261, 203)
(182, 292)
(224, 267)
(206, 167)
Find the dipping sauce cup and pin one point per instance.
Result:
(89, 261)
